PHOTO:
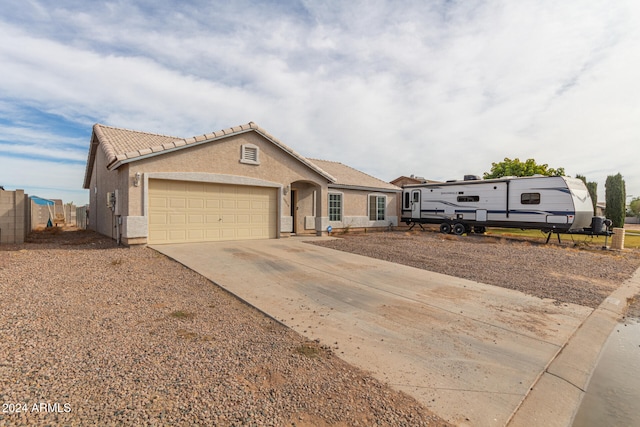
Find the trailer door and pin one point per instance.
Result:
(415, 204)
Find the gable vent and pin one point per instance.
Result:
(250, 154)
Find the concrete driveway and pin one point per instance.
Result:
(471, 352)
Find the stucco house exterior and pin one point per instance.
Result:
(234, 184)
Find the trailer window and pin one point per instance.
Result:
(407, 201)
(468, 198)
(530, 198)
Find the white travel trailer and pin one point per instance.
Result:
(553, 204)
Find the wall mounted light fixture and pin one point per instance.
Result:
(136, 179)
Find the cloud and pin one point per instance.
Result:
(442, 88)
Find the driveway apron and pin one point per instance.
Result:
(468, 351)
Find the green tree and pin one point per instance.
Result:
(615, 197)
(634, 206)
(515, 167)
(592, 187)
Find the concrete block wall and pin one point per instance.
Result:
(40, 215)
(15, 216)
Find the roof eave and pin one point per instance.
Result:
(365, 188)
(251, 127)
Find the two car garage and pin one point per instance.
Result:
(185, 211)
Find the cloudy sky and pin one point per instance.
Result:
(433, 88)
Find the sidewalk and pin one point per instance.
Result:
(555, 398)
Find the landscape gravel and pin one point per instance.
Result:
(94, 334)
(567, 273)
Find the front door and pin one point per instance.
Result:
(294, 210)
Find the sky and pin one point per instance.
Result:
(438, 89)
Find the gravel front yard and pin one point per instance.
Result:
(567, 274)
(101, 335)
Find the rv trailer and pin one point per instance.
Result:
(553, 204)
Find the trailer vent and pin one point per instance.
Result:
(472, 178)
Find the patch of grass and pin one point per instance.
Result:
(181, 314)
(631, 238)
(308, 350)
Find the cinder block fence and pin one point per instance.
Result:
(15, 216)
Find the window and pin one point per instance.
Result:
(377, 207)
(530, 198)
(468, 198)
(250, 154)
(407, 201)
(335, 207)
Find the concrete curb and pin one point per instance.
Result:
(555, 397)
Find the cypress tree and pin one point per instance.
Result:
(615, 194)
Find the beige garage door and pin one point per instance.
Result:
(182, 211)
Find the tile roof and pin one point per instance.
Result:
(349, 177)
(123, 145)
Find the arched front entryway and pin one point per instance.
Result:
(302, 204)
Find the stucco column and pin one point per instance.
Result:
(322, 210)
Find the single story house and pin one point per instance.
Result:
(237, 183)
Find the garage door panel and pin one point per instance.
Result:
(177, 219)
(159, 219)
(195, 187)
(228, 219)
(228, 204)
(157, 202)
(212, 203)
(195, 203)
(192, 212)
(196, 219)
(244, 204)
(177, 235)
(212, 219)
(195, 234)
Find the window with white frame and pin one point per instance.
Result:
(335, 207)
(377, 207)
(250, 154)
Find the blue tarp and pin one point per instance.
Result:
(40, 201)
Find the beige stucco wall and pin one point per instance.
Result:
(101, 218)
(219, 161)
(223, 158)
(355, 208)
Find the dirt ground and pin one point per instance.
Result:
(94, 334)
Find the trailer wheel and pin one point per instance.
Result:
(459, 229)
(445, 228)
(478, 229)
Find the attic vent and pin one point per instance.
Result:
(250, 154)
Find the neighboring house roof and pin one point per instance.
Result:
(401, 181)
(348, 177)
(123, 146)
